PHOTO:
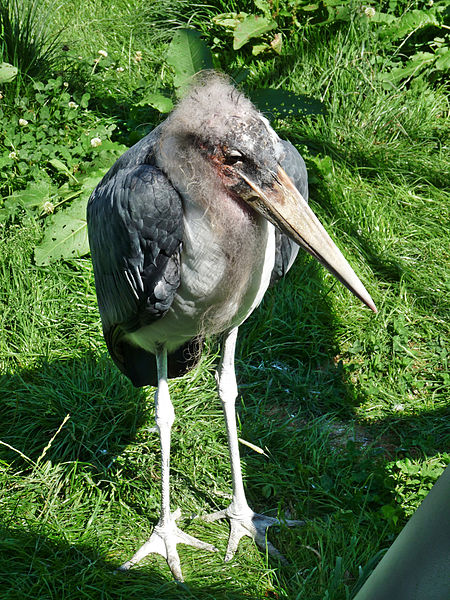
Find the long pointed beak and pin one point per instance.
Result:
(286, 208)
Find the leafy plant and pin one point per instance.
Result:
(246, 27)
(422, 40)
(411, 481)
(47, 124)
(65, 235)
(57, 173)
(188, 54)
(65, 232)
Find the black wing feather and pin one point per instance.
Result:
(135, 224)
(286, 249)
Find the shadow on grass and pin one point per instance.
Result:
(104, 411)
(295, 362)
(33, 566)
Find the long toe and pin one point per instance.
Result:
(237, 531)
(173, 560)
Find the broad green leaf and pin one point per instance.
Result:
(34, 196)
(92, 179)
(409, 22)
(65, 235)
(7, 72)
(58, 164)
(284, 103)
(252, 26)
(412, 67)
(85, 100)
(309, 7)
(338, 12)
(187, 55)
(161, 103)
(381, 17)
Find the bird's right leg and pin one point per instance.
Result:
(166, 534)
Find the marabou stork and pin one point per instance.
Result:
(187, 230)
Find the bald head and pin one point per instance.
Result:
(214, 127)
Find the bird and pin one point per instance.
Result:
(187, 231)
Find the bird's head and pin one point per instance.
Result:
(216, 139)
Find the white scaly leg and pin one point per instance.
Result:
(166, 534)
(243, 521)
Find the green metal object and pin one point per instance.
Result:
(417, 565)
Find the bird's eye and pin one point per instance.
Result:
(232, 157)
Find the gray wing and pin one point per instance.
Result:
(285, 249)
(135, 225)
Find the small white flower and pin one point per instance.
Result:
(23, 122)
(398, 407)
(48, 207)
(95, 142)
(13, 155)
(120, 69)
(1, 96)
(369, 12)
(103, 53)
(65, 84)
(72, 105)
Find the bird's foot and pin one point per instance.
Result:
(164, 540)
(252, 524)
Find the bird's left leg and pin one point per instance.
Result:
(166, 534)
(243, 520)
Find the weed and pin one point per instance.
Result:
(27, 38)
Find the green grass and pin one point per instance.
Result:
(350, 408)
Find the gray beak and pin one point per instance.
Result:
(285, 207)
